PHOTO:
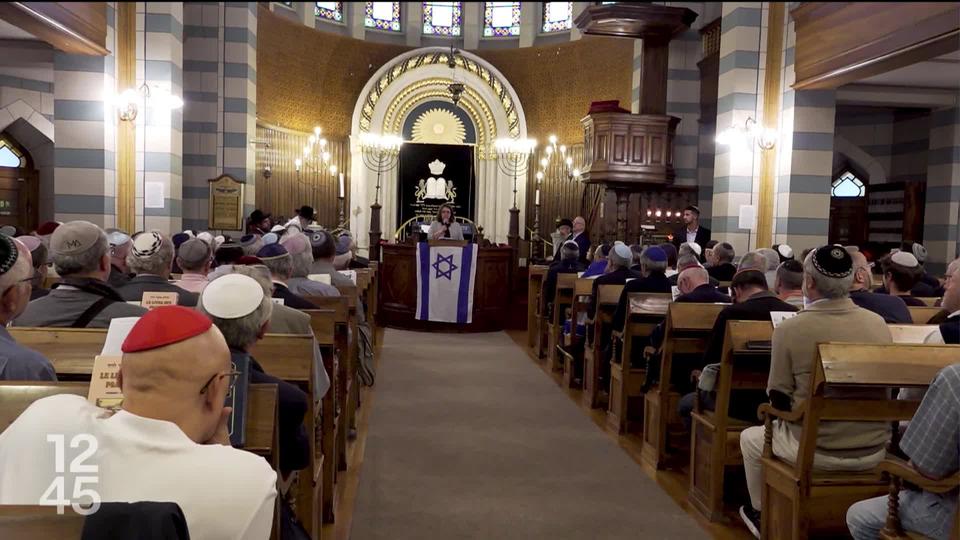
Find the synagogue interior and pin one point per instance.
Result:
(565, 270)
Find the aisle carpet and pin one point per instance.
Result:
(469, 439)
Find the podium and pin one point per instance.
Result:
(398, 289)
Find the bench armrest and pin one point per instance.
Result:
(905, 471)
(767, 413)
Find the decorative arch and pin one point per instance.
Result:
(396, 95)
(20, 109)
(868, 166)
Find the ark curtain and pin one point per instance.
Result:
(421, 192)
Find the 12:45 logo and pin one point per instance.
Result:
(83, 497)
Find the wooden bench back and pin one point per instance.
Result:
(839, 366)
(930, 301)
(743, 365)
(350, 293)
(583, 287)
(640, 321)
(285, 356)
(609, 295)
(323, 323)
(21, 521)
(922, 315)
(691, 317)
(70, 350)
(687, 332)
(338, 304)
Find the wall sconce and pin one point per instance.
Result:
(127, 102)
(741, 137)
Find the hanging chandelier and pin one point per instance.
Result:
(456, 87)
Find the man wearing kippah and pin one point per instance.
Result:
(277, 259)
(82, 298)
(120, 243)
(901, 272)
(194, 259)
(653, 267)
(298, 245)
(151, 259)
(829, 316)
(568, 263)
(617, 272)
(17, 363)
(169, 442)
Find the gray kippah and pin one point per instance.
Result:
(74, 238)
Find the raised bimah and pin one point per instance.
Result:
(399, 272)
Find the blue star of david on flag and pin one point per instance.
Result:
(441, 260)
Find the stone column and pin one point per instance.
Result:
(941, 230)
(239, 103)
(159, 139)
(85, 128)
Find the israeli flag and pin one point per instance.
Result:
(445, 278)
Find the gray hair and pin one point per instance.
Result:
(82, 263)
(300, 263)
(788, 279)
(687, 260)
(158, 264)
(694, 274)
(280, 266)
(647, 265)
(753, 260)
(773, 258)
(724, 252)
(242, 332)
(828, 287)
(685, 249)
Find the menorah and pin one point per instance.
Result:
(380, 154)
(513, 157)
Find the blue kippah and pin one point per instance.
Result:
(272, 251)
(248, 239)
(179, 238)
(656, 254)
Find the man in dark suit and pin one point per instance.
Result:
(581, 237)
(694, 284)
(567, 264)
(891, 308)
(653, 265)
(564, 231)
(722, 268)
(277, 259)
(151, 259)
(689, 260)
(754, 302)
(691, 231)
(618, 272)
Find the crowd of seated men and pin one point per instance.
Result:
(835, 290)
(169, 441)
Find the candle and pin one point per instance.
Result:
(536, 201)
(341, 185)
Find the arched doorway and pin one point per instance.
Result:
(848, 205)
(19, 185)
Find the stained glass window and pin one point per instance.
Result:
(9, 157)
(288, 4)
(847, 185)
(383, 16)
(332, 11)
(501, 19)
(442, 18)
(557, 16)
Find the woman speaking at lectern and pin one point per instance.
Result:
(444, 227)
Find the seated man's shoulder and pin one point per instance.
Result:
(57, 412)
(123, 309)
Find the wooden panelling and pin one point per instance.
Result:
(126, 131)
(286, 190)
(73, 27)
(841, 42)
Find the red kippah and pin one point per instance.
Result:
(249, 260)
(47, 228)
(164, 326)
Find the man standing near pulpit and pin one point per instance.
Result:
(692, 231)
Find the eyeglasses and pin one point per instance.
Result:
(233, 375)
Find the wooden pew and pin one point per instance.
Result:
(646, 311)
(799, 502)
(571, 351)
(899, 471)
(687, 332)
(352, 392)
(261, 434)
(287, 357)
(19, 521)
(607, 298)
(921, 315)
(930, 301)
(561, 300)
(536, 274)
(715, 435)
(323, 323)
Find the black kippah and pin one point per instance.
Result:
(8, 253)
(832, 261)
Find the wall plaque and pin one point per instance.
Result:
(226, 203)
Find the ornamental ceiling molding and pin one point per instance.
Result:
(437, 56)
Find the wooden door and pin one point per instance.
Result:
(848, 221)
(19, 193)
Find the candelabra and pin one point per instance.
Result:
(315, 160)
(513, 158)
(380, 154)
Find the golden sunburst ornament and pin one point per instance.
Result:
(439, 126)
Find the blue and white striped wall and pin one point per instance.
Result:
(239, 103)
(85, 128)
(941, 230)
(159, 143)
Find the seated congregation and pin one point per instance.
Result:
(813, 394)
(274, 308)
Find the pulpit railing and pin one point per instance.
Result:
(403, 231)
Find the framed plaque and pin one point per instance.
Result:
(226, 203)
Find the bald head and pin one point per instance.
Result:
(165, 383)
(691, 278)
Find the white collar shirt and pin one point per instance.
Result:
(192, 282)
(224, 493)
(692, 235)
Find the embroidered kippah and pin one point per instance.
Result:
(272, 252)
(146, 244)
(832, 261)
(8, 253)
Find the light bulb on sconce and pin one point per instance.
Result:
(544, 162)
(563, 149)
(306, 151)
(649, 213)
(298, 162)
(539, 176)
(326, 156)
(552, 139)
(317, 131)
(669, 213)
(323, 143)
(311, 139)
(333, 169)
(549, 151)
(569, 161)
(658, 213)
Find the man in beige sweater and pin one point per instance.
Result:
(830, 315)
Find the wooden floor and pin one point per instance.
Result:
(674, 483)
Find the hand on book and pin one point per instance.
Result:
(222, 435)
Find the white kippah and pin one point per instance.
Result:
(695, 247)
(270, 238)
(622, 251)
(219, 241)
(785, 251)
(118, 238)
(190, 234)
(277, 228)
(146, 244)
(232, 296)
(919, 252)
(206, 237)
(905, 259)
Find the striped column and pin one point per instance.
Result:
(805, 148)
(239, 103)
(202, 50)
(85, 146)
(940, 230)
(683, 96)
(739, 71)
(159, 129)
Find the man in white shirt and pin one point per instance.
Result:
(194, 259)
(168, 443)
